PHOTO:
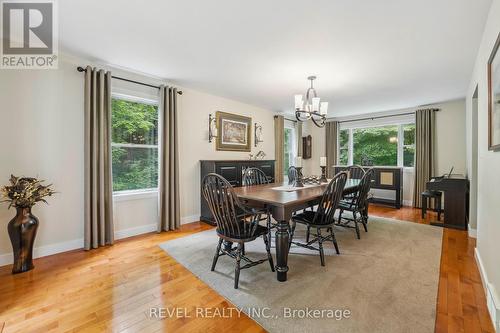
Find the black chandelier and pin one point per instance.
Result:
(311, 108)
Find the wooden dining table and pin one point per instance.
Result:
(282, 201)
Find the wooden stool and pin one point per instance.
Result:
(436, 195)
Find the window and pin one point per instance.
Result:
(344, 147)
(409, 145)
(134, 144)
(375, 146)
(384, 145)
(290, 149)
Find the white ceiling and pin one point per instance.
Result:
(368, 55)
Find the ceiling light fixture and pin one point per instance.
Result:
(311, 108)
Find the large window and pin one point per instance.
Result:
(387, 145)
(134, 144)
(375, 146)
(290, 149)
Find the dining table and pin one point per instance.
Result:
(282, 200)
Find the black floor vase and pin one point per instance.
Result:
(22, 232)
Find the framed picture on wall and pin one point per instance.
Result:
(234, 132)
(494, 98)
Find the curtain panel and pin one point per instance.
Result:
(168, 182)
(279, 147)
(98, 214)
(424, 152)
(331, 132)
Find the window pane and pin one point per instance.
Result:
(409, 156)
(134, 168)
(376, 146)
(288, 150)
(409, 134)
(134, 122)
(344, 139)
(344, 156)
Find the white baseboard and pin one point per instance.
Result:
(189, 219)
(143, 229)
(472, 232)
(492, 299)
(46, 250)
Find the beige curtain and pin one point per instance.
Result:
(299, 138)
(424, 152)
(331, 131)
(279, 147)
(169, 207)
(98, 215)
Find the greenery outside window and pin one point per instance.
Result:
(344, 147)
(409, 145)
(385, 145)
(134, 144)
(290, 148)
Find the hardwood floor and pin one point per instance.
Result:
(113, 289)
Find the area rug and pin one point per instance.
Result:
(385, 282)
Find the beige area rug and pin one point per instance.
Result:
(387, 281)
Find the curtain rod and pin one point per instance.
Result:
(81, 69)
(292, 120)
(379, 117)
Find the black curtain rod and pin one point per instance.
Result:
(379, 117)
(292, 120)
(81, 69)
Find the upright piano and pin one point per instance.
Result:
(456, 200)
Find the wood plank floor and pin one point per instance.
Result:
(113, 289)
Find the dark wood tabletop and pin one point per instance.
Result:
(269, 195)
(282, 204)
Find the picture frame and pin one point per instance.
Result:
(234, 132)
(494, 98)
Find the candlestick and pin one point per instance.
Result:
(322, 161)
(323, 175)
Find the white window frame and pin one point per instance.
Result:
(138, 193)
(400, 149)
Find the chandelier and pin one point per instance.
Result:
(311, 108)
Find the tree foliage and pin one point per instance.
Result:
(134, 167)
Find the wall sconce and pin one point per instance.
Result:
(212, 127)
(258, 134)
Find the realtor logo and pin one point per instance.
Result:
(29, 34)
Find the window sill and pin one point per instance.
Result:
(134, 195)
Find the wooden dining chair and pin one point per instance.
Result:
(355, 172)
(236, 223)
(322, 218)
(357, 204)
(254, 176)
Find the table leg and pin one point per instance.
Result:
(282, 237)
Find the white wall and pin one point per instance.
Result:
(450, 144)
(42, 131)
(488, 186)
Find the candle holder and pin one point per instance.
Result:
(298, 181)
(323, 175)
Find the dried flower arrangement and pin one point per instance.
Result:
(25, 192)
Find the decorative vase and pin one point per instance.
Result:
(22, 232)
